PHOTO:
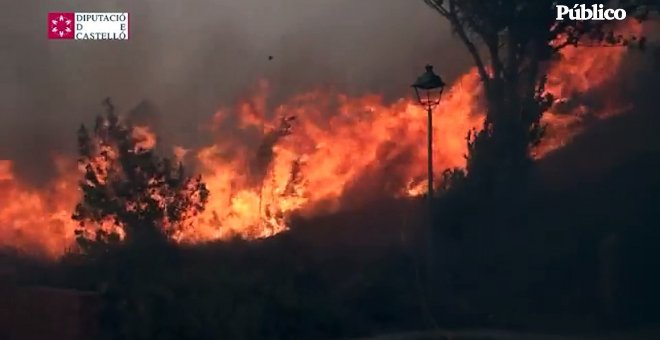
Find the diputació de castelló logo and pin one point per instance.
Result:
(88, 26)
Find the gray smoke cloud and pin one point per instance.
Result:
(191, 57)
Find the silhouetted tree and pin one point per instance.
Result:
(128, 189)
(510, 42)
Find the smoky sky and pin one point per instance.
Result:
(190, 57)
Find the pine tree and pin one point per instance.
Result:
(129, 192)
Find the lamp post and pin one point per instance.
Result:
(428, 90)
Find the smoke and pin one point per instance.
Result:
(189, 58)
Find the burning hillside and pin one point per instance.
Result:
(319, 151)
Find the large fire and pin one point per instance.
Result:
(318, 152)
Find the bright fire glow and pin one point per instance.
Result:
(316, 152)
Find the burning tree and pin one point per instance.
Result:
(511, 43)
(128, 191)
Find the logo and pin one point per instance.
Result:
(61, 25)
(88, 26)
(595, 12)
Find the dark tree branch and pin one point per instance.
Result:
(451, 15)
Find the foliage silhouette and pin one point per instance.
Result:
(511, 42)
(128, 190)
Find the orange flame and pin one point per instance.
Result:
(38, 220)
(146, 139)
(581, 69)
(318, 152)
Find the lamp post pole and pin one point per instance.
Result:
(429, 111)
(430, 223)
(428, 90)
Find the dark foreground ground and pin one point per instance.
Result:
(647, 334)
(579, 260)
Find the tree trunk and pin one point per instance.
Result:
(499, 155)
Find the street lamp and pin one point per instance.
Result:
(428, 90)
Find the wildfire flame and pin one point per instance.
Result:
(576, 74)
(318, 152)
(37, 220)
